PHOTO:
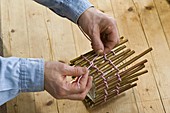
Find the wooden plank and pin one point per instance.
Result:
(130, 26)
(82, 45)
(11, 105)
(126, 101)
(1, 42)
(163, 8)
(156, 37)
(63, 48)
(16, 44)
(3, 109)
(81, 42)
(61, 37)
(39, 48)
(5, 27)
(61, 40)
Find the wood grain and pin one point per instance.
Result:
(130, 17)
(31, 30)
(3, 108)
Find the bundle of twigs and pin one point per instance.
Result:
(112, 73)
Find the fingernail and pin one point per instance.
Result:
(100, 52)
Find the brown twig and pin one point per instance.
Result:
(105, 69)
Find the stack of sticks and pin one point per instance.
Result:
(113, 73)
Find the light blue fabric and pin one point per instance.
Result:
(71, 9)
(20, 75)
(27, 75)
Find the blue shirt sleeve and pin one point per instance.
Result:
(20, 75)
(71, 9)
(26, 74)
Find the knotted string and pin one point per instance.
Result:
(98, 70)
(91, 65)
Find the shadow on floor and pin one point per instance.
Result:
(3, 107)
(1, 47)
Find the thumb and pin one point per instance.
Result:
(97, 44)
(74, 71)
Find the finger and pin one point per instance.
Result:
(73, 71)
(112, 38)
(81, 96)
(80, 85)
(97, 44)
(89, 84)
(83, 81)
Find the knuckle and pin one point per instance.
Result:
(76, 70)
(58, 66)
(95, 44)
(55, 66)
(94, 33)
(63, 67)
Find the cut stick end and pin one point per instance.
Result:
(104, 67)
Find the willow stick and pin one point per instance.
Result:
(103, 65)
(89, 53)
(113, 94)
(86, 63)
(124, 72)
(99, 85)
(110, 55)
(92, 51)
(128, 62)
(122, 84)
(93, 70)
(114, 78)
(109, 67)
(121, 42)
(115, 83)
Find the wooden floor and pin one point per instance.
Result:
(30, 30)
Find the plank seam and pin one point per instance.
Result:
(3, 108)
(161, 24)
(128, 42)
(151, 55)
(49, 39)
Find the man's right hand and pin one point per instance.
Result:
(101, 29)
(57, 85)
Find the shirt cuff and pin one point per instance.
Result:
(31, 75)
(74, 11)
(71, 9)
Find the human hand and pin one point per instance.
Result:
(57, 85)
(100, 28)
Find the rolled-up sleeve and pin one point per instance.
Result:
(71, 9)
(20, 75)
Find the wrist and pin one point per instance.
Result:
(86, 16)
